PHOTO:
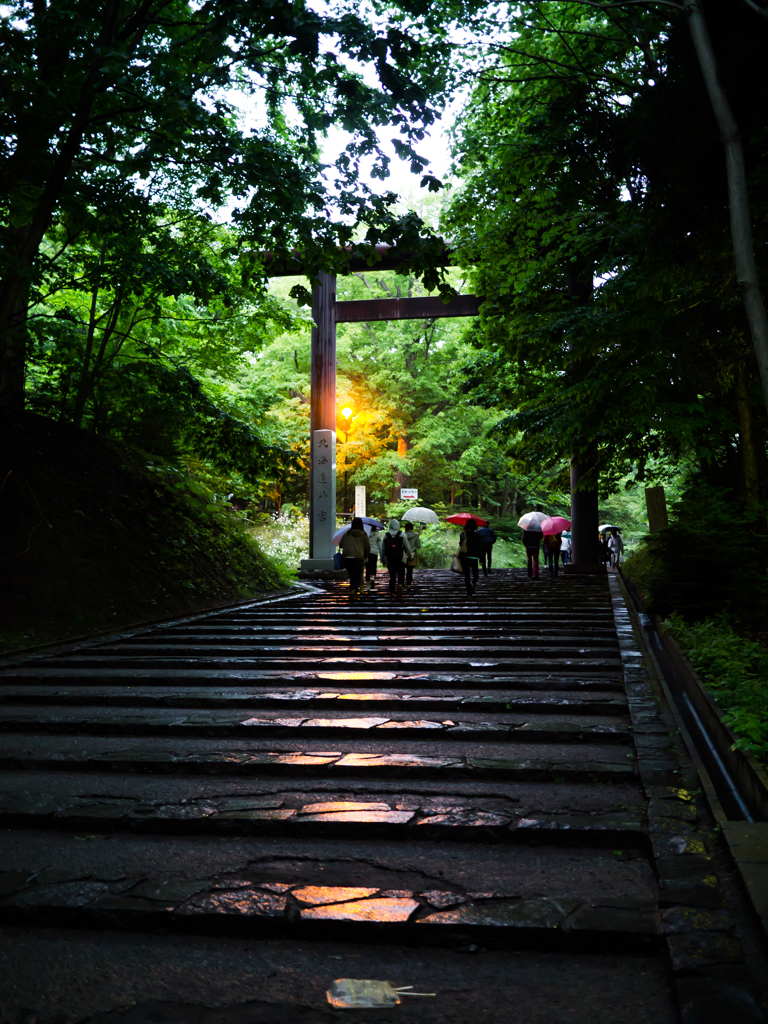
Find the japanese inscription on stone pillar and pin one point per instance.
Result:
(360, 500)
(323, 492)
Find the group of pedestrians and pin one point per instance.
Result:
(398, 551)
(556, 548)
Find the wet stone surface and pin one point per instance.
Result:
(433, 782)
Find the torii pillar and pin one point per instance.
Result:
(322, 427)
(584, 517)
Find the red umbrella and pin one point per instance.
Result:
(555, 524)
(462, 518)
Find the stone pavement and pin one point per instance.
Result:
(211, 820)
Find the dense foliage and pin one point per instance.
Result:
(712, 557)
(593, 210)
(735, 671)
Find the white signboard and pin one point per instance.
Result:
(407, 493)
(360, 500)
(323, 493)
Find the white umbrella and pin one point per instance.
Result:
(607, 526)
(343, 529)
(532, 520)
(421, 515)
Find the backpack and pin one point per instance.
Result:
(393, 548)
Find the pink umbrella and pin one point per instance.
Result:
(555, 524)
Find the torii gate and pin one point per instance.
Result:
(326, 313)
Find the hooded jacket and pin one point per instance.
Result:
(355, 544)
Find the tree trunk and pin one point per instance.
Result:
(13, 355)
(401, 480)
(749, 457)
(505, 499)
(738, 195)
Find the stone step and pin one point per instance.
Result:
(102, 722)
(338, 820)
(570, 702)
(540, 679)
(585, 662)
(308, 762)
(277, 909)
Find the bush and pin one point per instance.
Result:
(711, 558)
(284, 539)
(735, 671)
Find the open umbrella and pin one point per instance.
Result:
(421, 515)
(607, 526)
(462, 518)
(555, 524)
(343, 529)
(532, 520)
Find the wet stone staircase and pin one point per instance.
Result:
(213, 819)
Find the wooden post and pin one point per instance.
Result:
(657, 509)
(322, 418)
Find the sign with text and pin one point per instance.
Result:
(409, 493)
(360, 500)
(323, 492)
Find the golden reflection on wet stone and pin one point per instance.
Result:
(345, 723)
(318, 894)
(353, 677)
(365, 817)
(343, 805)
(380, 910)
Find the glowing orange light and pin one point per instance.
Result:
(346, 413)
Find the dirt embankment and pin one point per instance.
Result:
(93, 535)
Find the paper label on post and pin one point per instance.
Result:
(323, 492)
(360, 500)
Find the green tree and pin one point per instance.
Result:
(592, 209)
(99, 97)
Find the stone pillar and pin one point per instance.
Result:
(585, 542)
(322, 425)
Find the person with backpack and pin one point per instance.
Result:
(552, 544)
(394, 549)
(487, 537)
(355, 548)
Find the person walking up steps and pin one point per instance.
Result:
(372, 564)
(469, 555)
(394, 550)
(552, 544)
(355, 549)
(532, 540)
(411, 545)
(487, 537)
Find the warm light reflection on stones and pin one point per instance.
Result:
(378, 910)
(318, 894)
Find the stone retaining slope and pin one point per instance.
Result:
(210, 821)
